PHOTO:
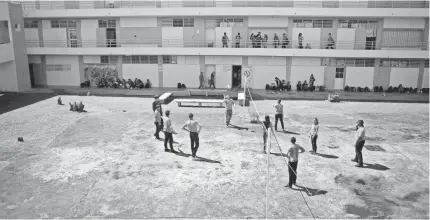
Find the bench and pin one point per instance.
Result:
(166, 98)
(220, 102)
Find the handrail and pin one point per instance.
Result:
(345, 45)
(75, 4)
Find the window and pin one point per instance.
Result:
(104, 59)
(170, 60)
(385, 63)
(357, 62)
(109, 59)
(369, 63)
(136, 59)
(309, 23)
(229, 22)
(339, 73)
(400, 63)
(188, 22)
(178, 22)
(107, 23)
(63, 24)
(31, 24)
(58, 67)
(426, 64)
(153, 59)
(362, 24)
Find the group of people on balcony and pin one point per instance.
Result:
(260, 40)
(281, 85)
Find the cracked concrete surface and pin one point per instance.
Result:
(106, 163)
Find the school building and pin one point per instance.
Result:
(355, 43)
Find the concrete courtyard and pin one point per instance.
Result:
(106, 163)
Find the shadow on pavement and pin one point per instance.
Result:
(375, 166)
(289, 132)
(10, 101)
(202, 159)
(310, 191)
(327, 156)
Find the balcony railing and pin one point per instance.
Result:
(340, 45)
(51, 5)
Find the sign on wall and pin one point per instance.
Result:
(246, 72)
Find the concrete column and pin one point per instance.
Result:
(426, 34)
(421, 73)
(160, 71)
(81, 68)
(202, 64)
(44, 77)
(245, 65)
(119, 67)
(40, 32)
(289, 32)
(288, 72)
(79, 32)
(376, 72)
(379, 34)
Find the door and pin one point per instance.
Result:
(111, 37)
(72, 38)
(209, 70)
(236, 76)
(30, 67)
(339, 78)
(210, 37)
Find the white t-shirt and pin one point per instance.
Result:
(279, 109)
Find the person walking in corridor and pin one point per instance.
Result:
(293, 160)
(201, 80)
(192, 125)
(212, 83)
(279, 115)
(360, 134)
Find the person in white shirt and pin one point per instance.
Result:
(267, 125)
(279, 115)
(194, 133)
(314, 135)
(360, 134)
(293, 159)
(157, 122)
(168, 132)
(229, 109)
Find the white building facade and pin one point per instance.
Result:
(375, 43)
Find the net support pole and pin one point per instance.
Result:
(268, 146)
(244, 91)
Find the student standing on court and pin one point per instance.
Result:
(157, 103)
(267, 126)
(229, 109)
(293, 157)
(157, 123)
(360, 134)
(168, 133)
(314, 135)
(194, 133)
(279, 115)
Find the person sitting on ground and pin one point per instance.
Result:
(139, 84)
(117, 83)
(401, 89)
(288, 86)
(86, 83)
(71, 106)
(59, 101)
(299, 86)
(124, 84)
(102, 83)
(81, 107)
(308, 46)
(284, 85)
(148, 84)
(132, 86)
(75, 107)
(305, 86)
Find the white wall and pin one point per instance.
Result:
(142, 72)
(306, 61)
(138, 22)
(425, 83)
(8, 79)
(311, 36)
(54, 37)
(408, 77)
(223, 76)
(232, 60)
(4, 11)
(172, 36)
(32, 34)
(219, 32)
(267, 21)
(185, 74)
(267, 61)
(91, 59)
(345, 39)
(63, 78)
(188, 60)
(262, 75)
(6, 52)
(404, 23)
(302, 73)
(34, 59)
(360, 76)
(89, 32)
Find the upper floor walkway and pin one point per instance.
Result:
(75, 4)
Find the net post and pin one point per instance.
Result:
(244, 91)
(268, 145)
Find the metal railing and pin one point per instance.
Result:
(294, 44)
(52, 5)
